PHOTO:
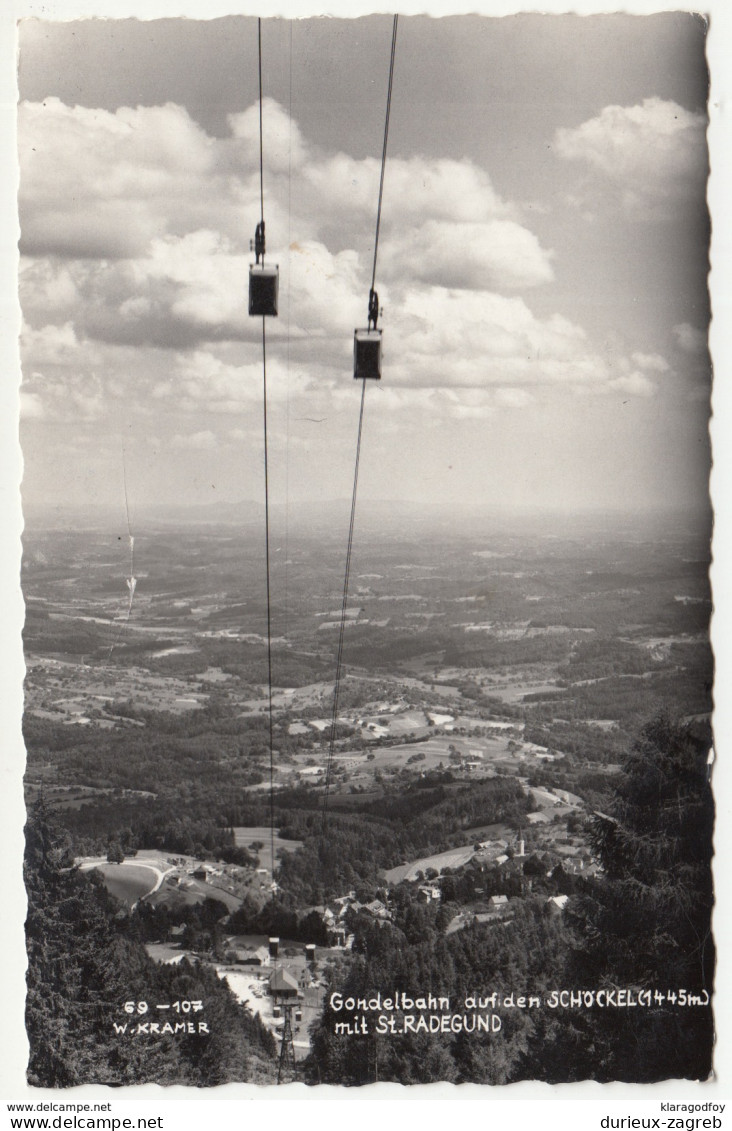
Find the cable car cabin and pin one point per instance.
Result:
(367, 354)
(264, 282)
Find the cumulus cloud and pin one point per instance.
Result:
(201, 380)
(463, 339)
(285, 147)
(31, 406)
(497, 254)
(149, 247)
(323, 292)
(101, 184)
(96, 184)
(184, 290)
(651, 361)
(51, 345)
(490, 351)
(653, 153)
(635, 384)
(471, 404)
(199, 441)
(62, 377)
(417, 188)
(71, 397)
(134, 282)
(689, 338)
(513, 398)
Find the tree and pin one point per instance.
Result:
(656, 848)
(85, 965)
(645, 924)
(533, 866)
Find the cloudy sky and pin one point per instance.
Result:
(542, 259)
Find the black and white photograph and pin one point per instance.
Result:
(365, 404)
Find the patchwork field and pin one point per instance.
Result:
(189, 892)
(453, 858)
(255, 834)
(437, 751)
(160, 878)
(128, 882)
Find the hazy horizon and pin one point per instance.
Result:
(334, 512)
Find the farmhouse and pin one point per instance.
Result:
(250, 956)
(377, 909)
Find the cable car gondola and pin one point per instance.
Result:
(367, 354)
(367, 345)
(264, 280)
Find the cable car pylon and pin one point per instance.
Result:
(367, 366)
(287, 1067)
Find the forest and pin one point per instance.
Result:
(643, 925)
(368, 837)
(85, 963)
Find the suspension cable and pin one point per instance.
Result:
(344, 608)
(261, 131)
(289, 308)
(266, 483)
(383, 151)
(344, 605)
(269, 603)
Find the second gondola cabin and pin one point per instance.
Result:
(367, 354)
(264, 285)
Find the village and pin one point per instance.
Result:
(283, 980)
